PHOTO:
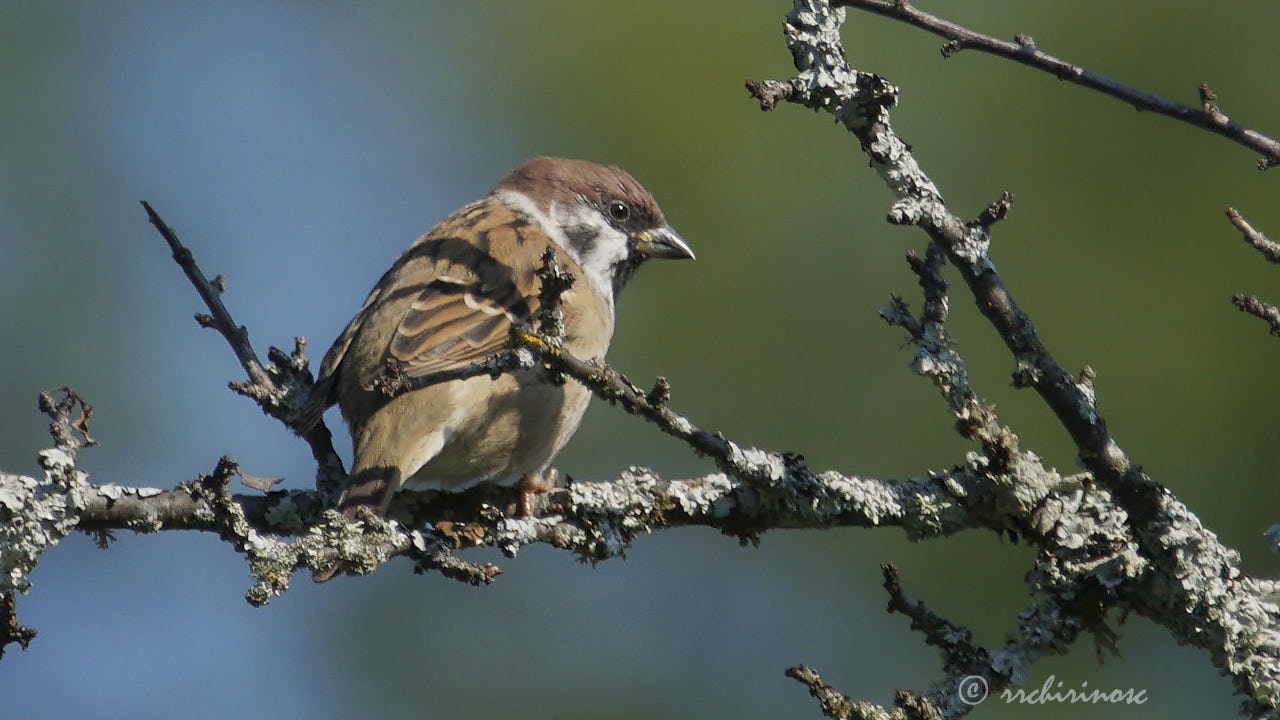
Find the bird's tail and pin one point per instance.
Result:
(322, 395)
(370, 487)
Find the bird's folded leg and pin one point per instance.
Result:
(533, 483)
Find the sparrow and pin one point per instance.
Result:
(452, 298)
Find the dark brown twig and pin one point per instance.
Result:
(11, 631)
(995, 212)
(608, 384)
(962, 658)
(529, 348)
(1023, 50)
(932, 282)
(280, 389)
(219, 318)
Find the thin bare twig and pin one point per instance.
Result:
(1262, 310)
(968, 666)
(528, 348)
(11, 631)
(1270, 250)
(280, 389)
(1023, 50)
(219, 318)
(955, 641)
(1263, 244)
(835, 704)
(392, 381)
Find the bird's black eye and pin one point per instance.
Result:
(619, 210)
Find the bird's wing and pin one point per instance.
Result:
(451, 301)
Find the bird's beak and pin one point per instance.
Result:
(663, 242)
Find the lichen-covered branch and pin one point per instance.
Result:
(1022, 49)
(835, 704)
(1258, 308)
(37, 513)
(1171, 569)
(283, 532)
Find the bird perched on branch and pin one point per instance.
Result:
(451, 300)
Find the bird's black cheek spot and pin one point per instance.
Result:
(583, 238)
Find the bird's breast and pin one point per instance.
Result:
(499, 430)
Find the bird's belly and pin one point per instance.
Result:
(516, 426)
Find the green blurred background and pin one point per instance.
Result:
(299, 146)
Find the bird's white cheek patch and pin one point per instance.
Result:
(599, 257)
(608, 250)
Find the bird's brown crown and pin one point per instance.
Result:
(547, 180)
